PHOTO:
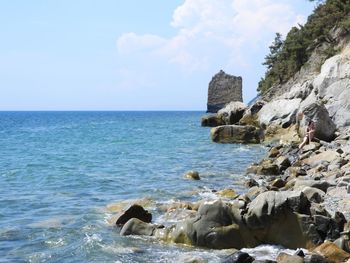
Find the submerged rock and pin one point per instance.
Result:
(192, 175)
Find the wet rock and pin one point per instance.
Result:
(137, 227)
(214, 227)
(134, 211)
(283, 162)
(332, 252)
(192, 175)
(228, 193)
(235, 134)
(238, 257)
(250, 183)
(212, 120)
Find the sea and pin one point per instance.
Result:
(62, 174)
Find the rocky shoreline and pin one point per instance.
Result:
(297, 198)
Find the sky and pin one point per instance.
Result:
(134, 55)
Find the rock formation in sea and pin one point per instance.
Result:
(223, 88)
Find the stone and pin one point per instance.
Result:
(281, 112)
(283, 211)
(325, 127)
(238, 257)
(192, 175)
(274, 152)
(235, 134)
(228, 193)
(313, 194)
(232, 112)
(212, 120)
(283, 162)
(250, 183)
(332, 252)
(268, 169)
(314, 258)
(279, 183)
(137, 227)
(223, 88)
(322, 185)
(134, 211)
(286, 258)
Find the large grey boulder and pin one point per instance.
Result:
(281, 218)
(280, 112)
(235, 134)
(232, 112)
(223, 88)
(317, 112)
(135, 226)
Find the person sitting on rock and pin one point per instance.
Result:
(310, 133)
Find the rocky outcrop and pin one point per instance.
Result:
(232, 112)
(235, 134)
(134, 211)
(281, 112)
(223, 88)
(212, 120)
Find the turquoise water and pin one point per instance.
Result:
(59, 171)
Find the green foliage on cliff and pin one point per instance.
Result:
(288, 56)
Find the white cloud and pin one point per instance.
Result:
(230, 25)
(232, 35)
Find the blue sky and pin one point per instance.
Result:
(133, 55)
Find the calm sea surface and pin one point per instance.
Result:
(60, 171)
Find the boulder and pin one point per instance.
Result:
(235, 134)
(319, 184)
(327, 156)
(325, 127)
(137, 227)
(232, 112)
(134, 211)
(192, 175)
(223, 88)
(284, 211)
(217, 225)
(238, 257)
(281, 112)
(332, 252)
(286, 258)
(212, 120)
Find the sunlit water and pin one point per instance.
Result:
(59, 171)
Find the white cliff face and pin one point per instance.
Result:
(332, 86)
